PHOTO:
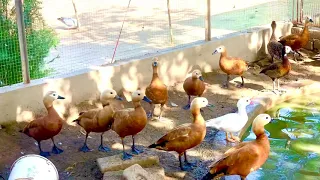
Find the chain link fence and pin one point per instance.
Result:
(66, 36)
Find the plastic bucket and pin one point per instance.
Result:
(34, 167)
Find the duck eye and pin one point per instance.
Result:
(267, 117)
(111, 92)
(139, 94)
(53, 94)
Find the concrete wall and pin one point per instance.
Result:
(21, 102)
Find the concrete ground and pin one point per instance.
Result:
(72, 164)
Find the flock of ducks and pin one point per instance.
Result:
(240, 160)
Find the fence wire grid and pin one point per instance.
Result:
(57, 46)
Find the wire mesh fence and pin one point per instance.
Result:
(64, 36)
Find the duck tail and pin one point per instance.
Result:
(153, 146)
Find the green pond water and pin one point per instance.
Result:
(294, 141)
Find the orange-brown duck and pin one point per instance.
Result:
(157, 92)
(98, 120)
(194, 86)
(297, 41)
(245, 157)
(274, 47)
(278, 70)
(129, 122)
(46, 127)
(231, 65)
(185, 136)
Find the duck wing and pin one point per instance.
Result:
(179, 133)
(33, 126)
(219, 122)
(89, 114)
(237, 159)
(289, 40)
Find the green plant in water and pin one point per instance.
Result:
(40, 39)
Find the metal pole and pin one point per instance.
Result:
(208, 22)
(22, 42)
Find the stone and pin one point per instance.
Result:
(115, 163)
(154, 172)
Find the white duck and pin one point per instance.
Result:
(232, 122)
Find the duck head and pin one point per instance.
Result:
(308, 20)
(50, 97)
(196, 74)
(259, 122)
(273, 25)
(109, 94)
(155, 62)
(288, 50)
(219, 49)
(244, 102)
(138, 95)
(198, 103)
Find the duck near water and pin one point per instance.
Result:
(245, 157)
(297, 41)
(185, 136)
(129, 122)
(194, 86)
(98, 120)
(232, 122)
(274, 47)
(46, 127)
(231, 65)
(278, 70)
(157, 92)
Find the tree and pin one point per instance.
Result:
(40, 39)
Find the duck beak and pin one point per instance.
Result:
(201, 78)
(146, 99)
(118, 98)
(60, 97)
(214, 52)
(273, 120)
(210, 105)
(310, 20)
(155, 64)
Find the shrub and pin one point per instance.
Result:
(40, 39)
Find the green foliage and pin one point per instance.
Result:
(40, 39)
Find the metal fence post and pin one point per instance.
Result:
(208, 22)
(22, 42)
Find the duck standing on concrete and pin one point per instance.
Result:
(46, 127)
(185, 136)
(98, 120)
(232, 122)
(278, 70)
(194, 86)
(157, 92)
(129, 122)
(231, 65)
(245, 157)
(274, 47)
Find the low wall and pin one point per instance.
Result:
(21, 102)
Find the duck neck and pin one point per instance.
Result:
(48, 104)
(198, 119)
(223, 54)
(258, 130)
(273, 37)
(242, 111)
(104, 104)
(285, 61)
(155, 75)
(136, 104)
(305, 31)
